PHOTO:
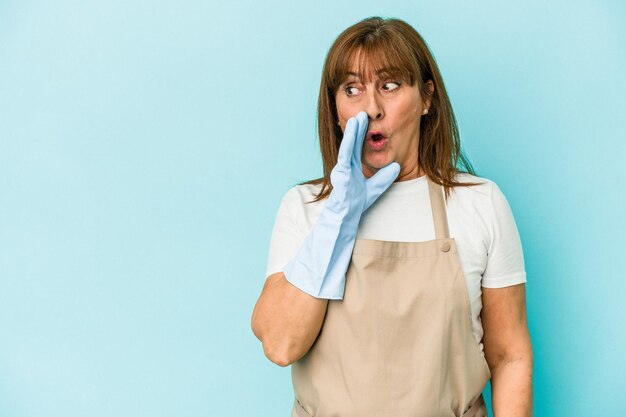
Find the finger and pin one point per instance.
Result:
(379, 182)
(361, 118)
(346, 147)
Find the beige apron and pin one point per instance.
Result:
(400, 343)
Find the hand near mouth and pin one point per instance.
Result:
(347, 176)
(319, 267)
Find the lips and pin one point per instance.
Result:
(375, 135)
(376, 140)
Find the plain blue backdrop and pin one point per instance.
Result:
(145, 145)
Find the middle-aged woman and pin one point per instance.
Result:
(396, 282)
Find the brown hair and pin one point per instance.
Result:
(394, 45)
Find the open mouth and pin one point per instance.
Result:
(376, 140)
(375, 135)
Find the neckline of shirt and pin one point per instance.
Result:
(406, 186)
(396, 188)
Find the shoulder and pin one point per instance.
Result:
(297, 202)
(486, 199)
(487, 190)
(489, 203)
(483, 191)
(301, 194)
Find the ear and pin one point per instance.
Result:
(430, 86)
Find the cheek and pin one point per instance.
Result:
(344, 112)
(408, 105)
(406, 111)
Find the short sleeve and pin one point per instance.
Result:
(505, 258)
(287, 234)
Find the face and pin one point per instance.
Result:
(395, 111)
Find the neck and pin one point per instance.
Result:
(410, 174)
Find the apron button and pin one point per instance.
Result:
(445, 247)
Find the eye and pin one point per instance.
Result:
(351, 90)
(391, 85)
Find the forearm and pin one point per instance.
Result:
(511, 388)
(287, 320)
(289, 314)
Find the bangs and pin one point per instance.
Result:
(375, 56)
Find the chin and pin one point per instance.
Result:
(377, 162)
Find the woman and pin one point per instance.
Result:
(395, 283)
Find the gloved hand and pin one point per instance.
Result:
(319, 268)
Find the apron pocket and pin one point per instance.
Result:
(298, 410)
(478, 409)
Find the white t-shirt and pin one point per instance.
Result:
(479, 219)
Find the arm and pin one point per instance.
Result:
(290, 311)
(508, 350)
(286, 320)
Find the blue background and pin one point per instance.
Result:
(145, 145)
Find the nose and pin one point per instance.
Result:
(373, 107)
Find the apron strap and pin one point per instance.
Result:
(438, 207)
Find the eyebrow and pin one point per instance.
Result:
(379, 72)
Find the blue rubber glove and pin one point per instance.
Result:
(319, 268)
